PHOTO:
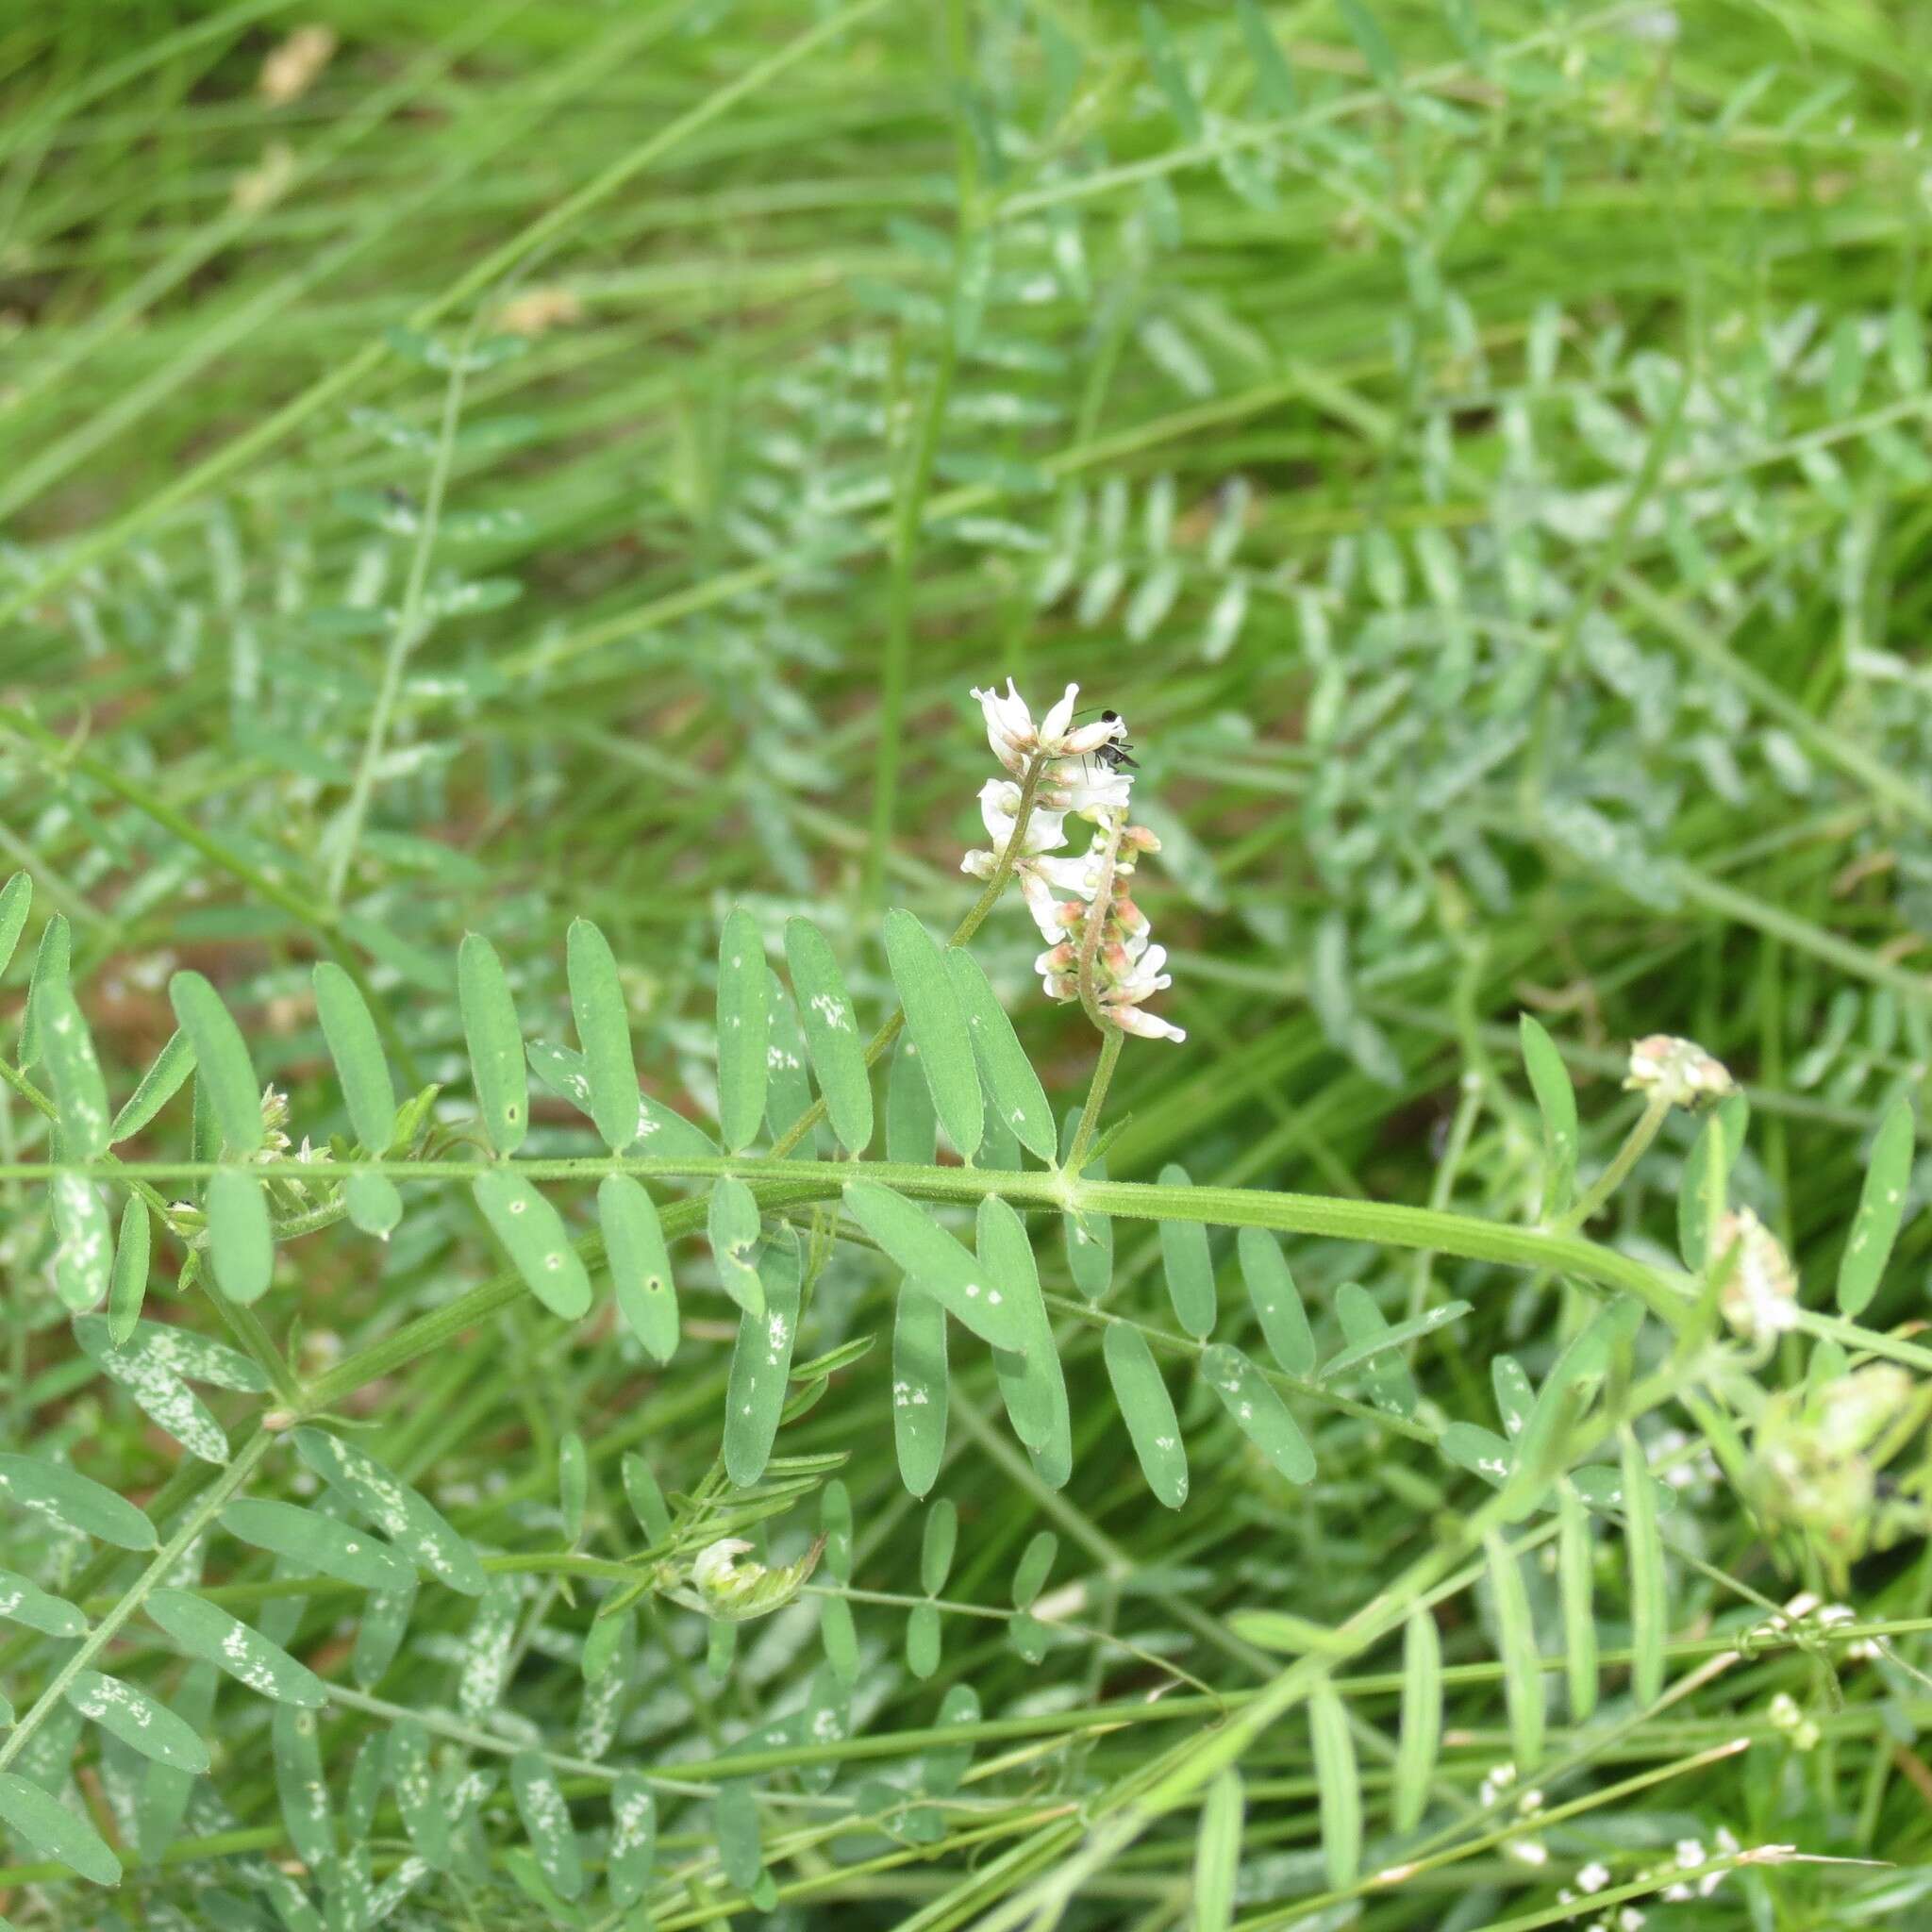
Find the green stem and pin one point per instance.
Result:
(1635, 1145)
(1110, 1039)
(229, 1484)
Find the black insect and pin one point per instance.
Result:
(1117, 752)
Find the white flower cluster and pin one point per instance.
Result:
(1078, 773)
(1759, 1296)
(1679, 1071)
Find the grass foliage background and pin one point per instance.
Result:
(1481, 450)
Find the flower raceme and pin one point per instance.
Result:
(1097, 940)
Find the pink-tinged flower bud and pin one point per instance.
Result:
(1678, 1072)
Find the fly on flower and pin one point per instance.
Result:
(1097, 939)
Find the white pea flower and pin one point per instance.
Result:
(1678, 1072)
(715, 1569)
(1087, 771)
(1759, 1297)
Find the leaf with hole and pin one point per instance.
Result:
(761, 1365)
(48, 1827)
(75, 1501)
(534, 1235)
(206, 1631)
(1881, 1208)
(1147, 1409)
(639, 1264)
(735, 1226)
(222, 1066)
(241, 1237)
(831, 1034)
(938, 1028)
(1257, 1411)
(355, 1047)
(744, 1030)
(495, 1043)
(1277, 1301)
(1018, 1100)
(382, 1499)
(929, 1256)
(919, 1387)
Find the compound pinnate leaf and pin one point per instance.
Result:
(1277, 1301)
(938, 1028)
(1881, 1208)
(1259, 1412)
(355, 1047)
(241, 1239)
(639, 1264)
(1011, 1084)
(496, 1043)
(744, 1030)
(1147, 1409)
(315, 1542)
(54, 1832)
(221, 1062)
(382, 1499)
(831, 1034)
(127, 1712)
(533, 1234)
(597, 1004)
(938, 1263)
(919, 1387)
(75, 1501)
(206, 1631)
(761, 1366)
